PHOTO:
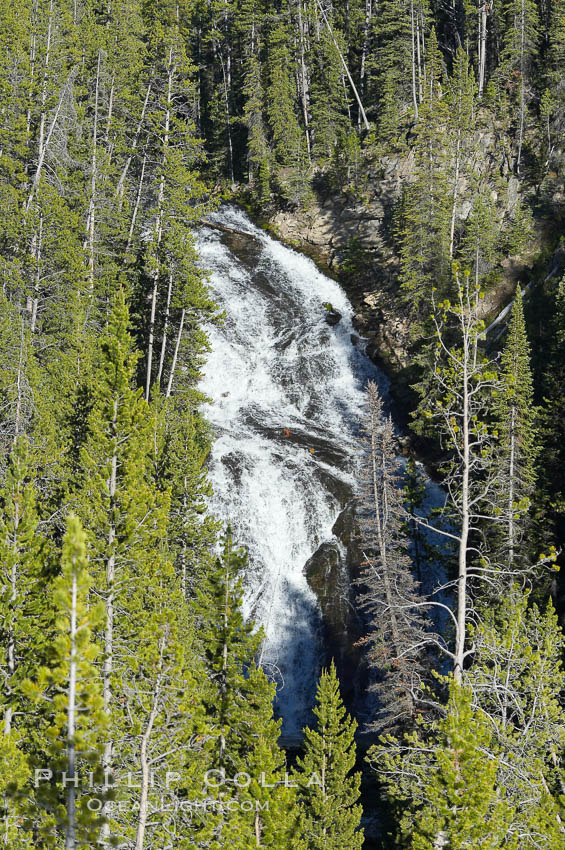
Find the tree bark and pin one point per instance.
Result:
(346, 69)
(143, 759)
(159, 225)
(176, 354)
(123, 175)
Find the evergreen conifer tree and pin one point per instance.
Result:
(23, 580)
(240, 712)
(75, 722)
(451, 790)
(328, 790)
(426, 210)
(552, 428)
(515, 417)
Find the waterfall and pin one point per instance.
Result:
(286, 392)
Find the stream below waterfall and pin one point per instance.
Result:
(286, 390)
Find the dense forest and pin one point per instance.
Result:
(135, 709)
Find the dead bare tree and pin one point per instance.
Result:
(399, 634)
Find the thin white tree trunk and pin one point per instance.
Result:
(365, 48)
(465, 515)
(165, 328)
(419, 57)
(345, 68)
(44, 146)
(137, 203)
(304, 88)
(413, 46)
(36, 247)
(43, 115)
(123, 175)
(522, 84)
(159, 225)
(90, 221)
(143, 757)
(176, 354)
(228, 118)
(483, 8)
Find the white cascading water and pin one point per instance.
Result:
(287, 395)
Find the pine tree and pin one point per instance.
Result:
(160, 696)
(462, 109)
(389, 595)
(328, 791)
(259, 155)
(552, 431)
(192, 530)
(76, 721)
(124, 514)
(520, 42)
(477, 250)
(426, 209)
(397, 64)
(328, 99)
(515, 680)
(23, 581)
(451, 791)
(288, 142)
(515, 419)
(240, 712)
(18, 378)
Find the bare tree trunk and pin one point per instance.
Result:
(483, 10)
(465, 515)
(11, 638)
(228, 119)
(345, 68)
(123, 175)
(413, 32)
(144, 762)
(176, 354)
(43, 114)
(365, 48)
(423, 76)
(225, 651)
(303, 76)
(522, 84)
(110, 113)
(159, 225)
(137, 203)
(419, 56)
(90, 221)
(32, 56)
(36, 247)
(381, 512)
(45, 144)
(165, 328)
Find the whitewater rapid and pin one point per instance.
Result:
(286, 394)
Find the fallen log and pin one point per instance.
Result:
(224, 228)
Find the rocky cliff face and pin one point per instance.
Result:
(352, 240)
